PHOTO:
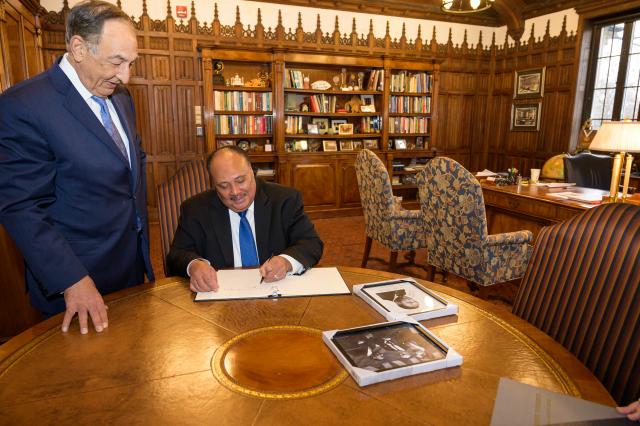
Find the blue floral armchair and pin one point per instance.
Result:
(386, 221)
(456, 228)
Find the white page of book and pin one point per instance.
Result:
(245, 284)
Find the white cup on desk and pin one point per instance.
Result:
(535, 175)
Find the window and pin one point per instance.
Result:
(614, 72)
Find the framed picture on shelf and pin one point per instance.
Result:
(368, 103)
(315, 145)
(300, 146)
(400, 143)
(312, 129)
(323, 125)
(335, 124)
(529, 83)
(526, 117)
(345, 129)
(244, 144)
(357, 145)
(346, 145)
(224, 142)
(329, 145)
(370, 143)
(420, 142)
(288, 146)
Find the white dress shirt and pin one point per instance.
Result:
(71, 73)
(234, 218)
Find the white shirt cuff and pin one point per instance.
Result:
(296, 267)
(194, 260)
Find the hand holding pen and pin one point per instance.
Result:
(274, 269)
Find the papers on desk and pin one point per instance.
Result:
(245, 284)
(520, 404)
(591, 198)
(486, 173)
(556, 184)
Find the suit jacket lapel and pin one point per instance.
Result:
(262, 218)
(222, 228)
(131, 135)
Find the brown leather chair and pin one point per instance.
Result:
(191, 179)
(582, 288)
(588, 170)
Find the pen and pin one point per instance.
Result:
(262, 278)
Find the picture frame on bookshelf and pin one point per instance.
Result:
(529, 83)
(411, 144)
(368, 103)
(345, 129)
(335, 124)
(526, 117)
(357, 145)
(224, 142)
(400, 143)
(315, 145)
(420, 142)
(323, 125)
(329, 145)
(312, 129)
(244, 144)
(370, 143)
(300, 146)
(288, 146)
(346, 145)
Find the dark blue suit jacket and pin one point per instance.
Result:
(67, 197)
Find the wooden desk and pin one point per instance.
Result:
(153, 364)
(530, 207)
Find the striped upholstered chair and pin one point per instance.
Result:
(456, 228)
(386, 221)
(189, 180)
(582, 288)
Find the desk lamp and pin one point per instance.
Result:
(620, 137)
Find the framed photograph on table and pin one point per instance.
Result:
(529, 83)
(329, 145)
(397, 299)
(387, 351)
(526, 117)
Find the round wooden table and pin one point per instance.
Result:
(167, 360)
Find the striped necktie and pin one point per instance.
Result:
(109, 126)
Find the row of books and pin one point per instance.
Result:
(410, 104)
(294, 79)
(376, 80)
(241, 125)
(295, 125)
(242, 101)
(411, 83)
(408, 125)
(322, 103)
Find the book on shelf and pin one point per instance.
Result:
(410, 104)
(411, 82)
(376, 80)
(242, 101)
(408, 125)
(265, 172)
(242, 125)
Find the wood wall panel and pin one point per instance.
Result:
(185, 67)
(317, 182)
(350, 194)
(160, 67)
(139, 94)
(163, 141)
(184, 113)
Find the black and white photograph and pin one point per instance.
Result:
(396, 299)
(388, 347)
(368, 103)
(322, 124)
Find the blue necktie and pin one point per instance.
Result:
(107, 122)
(247, 244)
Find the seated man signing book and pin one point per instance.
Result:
(243, 222)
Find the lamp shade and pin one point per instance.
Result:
(617, 136)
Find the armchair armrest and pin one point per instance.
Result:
(517, 237)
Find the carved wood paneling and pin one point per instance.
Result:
(184, 113)
(139, 93)
(160, 67)
(349, 193)
(163, 131)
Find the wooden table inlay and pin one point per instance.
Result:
(277, 362)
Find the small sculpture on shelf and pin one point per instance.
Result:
(360, 80)
(321, 85)
(336, 82)
(354, 104)
(236, 80)
(353, 82)
(218, 78)
(304, 107)
(305, 82)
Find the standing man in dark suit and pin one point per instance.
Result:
(72, 176)
(244, 222)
